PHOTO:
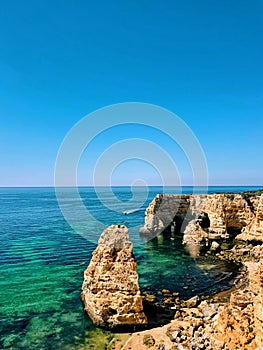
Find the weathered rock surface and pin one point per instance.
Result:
(110, 290)
(240, 324)
(254, 229)
(162, 210)
(212, 326)
(206, 217)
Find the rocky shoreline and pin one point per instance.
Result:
(228, 320)
(229, 227)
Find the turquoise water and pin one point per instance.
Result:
(41, 270)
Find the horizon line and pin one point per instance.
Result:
(70, 186)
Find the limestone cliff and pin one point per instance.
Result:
(212, 325)
(240, 323)
(254, 229)
(206, 217)
(110, 290)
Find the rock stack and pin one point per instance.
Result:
(110, 291)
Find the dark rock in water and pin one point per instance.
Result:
(110, 290)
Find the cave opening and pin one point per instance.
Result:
(204, 221)
(233, 231)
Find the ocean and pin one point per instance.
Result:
(42, 260)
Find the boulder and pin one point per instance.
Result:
(215, 245)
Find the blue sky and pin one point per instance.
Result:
(60, 60)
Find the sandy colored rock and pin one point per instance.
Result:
(206, 217)
(240, 324)
(110, 291)
(254, 230)
(236, 324)
(213, 326)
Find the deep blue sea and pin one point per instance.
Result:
(41, 263)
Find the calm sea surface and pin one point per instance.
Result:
(41, 260)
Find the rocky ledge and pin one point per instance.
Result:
(110, 291)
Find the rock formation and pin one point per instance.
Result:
(240, 323)
(164, 210)
(206, 217)
(111, 293)
(210, 325)
(254, 230)
(110, 290)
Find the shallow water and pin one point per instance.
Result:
(41, 273)
(165, 264)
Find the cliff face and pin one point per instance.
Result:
(212, 216)
(240, 324)
(110, 291)
(254, 229)
(162, 211)
(257, 289)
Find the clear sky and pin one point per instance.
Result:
(60, 60)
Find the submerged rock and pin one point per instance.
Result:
(110, 291)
